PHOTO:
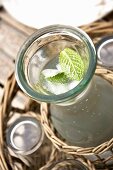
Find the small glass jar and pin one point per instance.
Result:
(82, 115)
(68, 165)
(25, 135)
(104, 50)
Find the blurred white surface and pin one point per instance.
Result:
(39, 13)
(0, 3)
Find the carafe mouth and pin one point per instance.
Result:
(47, 38)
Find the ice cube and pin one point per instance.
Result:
(56, 88)
(58, 66)
(50, 72)
(73, 84)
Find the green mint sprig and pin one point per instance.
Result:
(59, 78)
(72, 68)
(71, 64)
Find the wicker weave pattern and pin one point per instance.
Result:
(57, 156)
(8, 159)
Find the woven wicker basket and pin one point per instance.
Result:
(48, 154)
(8, 159)
(45, 156)
(102, 155)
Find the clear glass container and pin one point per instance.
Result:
(82, 114)
(68, 165)
(25, 135)
(104, 50)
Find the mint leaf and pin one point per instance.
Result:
(70, 67)
(58, 78)
(71, 64)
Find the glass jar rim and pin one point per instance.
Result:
(19, 72)
(66, 161)
(15, 125)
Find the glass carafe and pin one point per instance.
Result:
(82, 114)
